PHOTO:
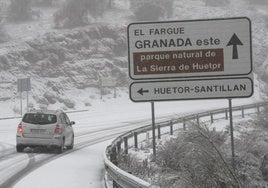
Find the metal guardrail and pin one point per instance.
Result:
(124, 179)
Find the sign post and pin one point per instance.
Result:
(24, 84)
(191, 59)
(108, 82)
(153, 130)
(232, 132)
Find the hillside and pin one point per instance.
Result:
(66, 65)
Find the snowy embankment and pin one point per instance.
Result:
(66, 65)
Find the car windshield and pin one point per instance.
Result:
(39, 118)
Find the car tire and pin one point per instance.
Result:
(72, 144)
(19, 148)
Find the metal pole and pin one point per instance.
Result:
(211, 118)
(184, 124)
(159, 132)
(171, 128)
(27, 90)
(153, 129)
(20, 103)
(27, 101)
(232, 132)
(114, 92)
(136, 140)
(126, 145)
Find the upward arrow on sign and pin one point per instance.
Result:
(234, 41)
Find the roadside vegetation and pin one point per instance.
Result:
(201, 157)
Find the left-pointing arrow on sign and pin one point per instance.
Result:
(141, 91)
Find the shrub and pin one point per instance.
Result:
(51, 98)
(19, 10)
(198, 160)
(69, 103)
(76, 13)
(151, 10)
(136, 166)
(148, 12)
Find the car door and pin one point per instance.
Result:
(68, 130)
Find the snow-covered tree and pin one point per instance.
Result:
(150, 10)
(19, 10)
(78, 12)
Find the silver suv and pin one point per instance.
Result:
(51, 129)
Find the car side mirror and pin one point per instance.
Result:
(72, 122)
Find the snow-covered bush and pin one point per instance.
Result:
(136, 166)
(201, 157)
(51, 98)
(151, 10)
(67, 102)
(19, 10)
(76, 13)
(4, 37)
(148, 12)
(16, 109)
(41, 101)
(5, 64)
(196, 157)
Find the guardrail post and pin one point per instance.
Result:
(243, 112)
(115, 185)
(184, 124)
(126, 145)
(258, 109)
(197, 120)
(159, 131)
(226, 114)
(113, 156)
(171, 128)
(148, 137)
(118, 145)
(211, 118)
(136, 140)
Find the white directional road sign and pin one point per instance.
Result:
(188, 49)
(191, 89)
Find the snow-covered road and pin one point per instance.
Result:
(94, 130)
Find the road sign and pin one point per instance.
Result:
(108, 82)
(191, 89)
(24, 84)
(188, 49)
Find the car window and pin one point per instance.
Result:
(63, 120)
(67, 119)
(36, 118)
